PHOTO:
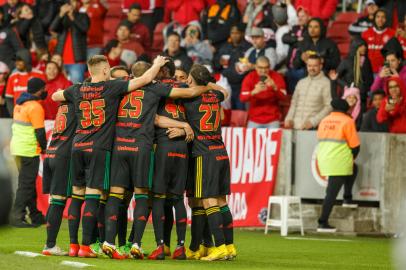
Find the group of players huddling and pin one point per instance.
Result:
(147, 136)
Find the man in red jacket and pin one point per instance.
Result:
(152, 11)
(185, 11)
(139, 32)
(96, 10)
(376, 37)
(263, 88)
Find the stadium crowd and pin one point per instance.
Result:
(278, 63)
(259, 50)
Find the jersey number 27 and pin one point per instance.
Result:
(206, 122)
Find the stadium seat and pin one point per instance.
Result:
(344, 49)
(338, 32)
(284, 222)
(239, 118)
(347, 17)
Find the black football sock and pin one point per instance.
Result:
(74, 213)
(54, 219)
(114, 203)
(198, 219)
(141, 213)
(207, 238)
(168, 224)
(131, 236)
(181, 219)
(89, 219)
(122, 223)
(158, 217)
(101, 220)
(227, 225)
(216, 224)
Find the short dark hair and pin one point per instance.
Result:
(135, 6)
(139, 68)
(170, 66)
(182, 69)
(113, 43)
(200, 74)
(174, 34)
(316, 57)
(54, 63)
(117, 68)
(96, 59)
(378, 92)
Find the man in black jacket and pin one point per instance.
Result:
(9, 43)
(10, 10)
(317, 43)
(72, 28)
(369, 122)
(365, 22)
(177, 53)
(217, 21)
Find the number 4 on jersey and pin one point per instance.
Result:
(206, 122)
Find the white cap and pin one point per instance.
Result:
(370, 2)
(4, 68)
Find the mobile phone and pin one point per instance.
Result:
(262, 78)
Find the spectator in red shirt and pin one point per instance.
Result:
(376, 37)
(18, 81)
(4, 71)
(393, 107)
(139, 32)
(54, 80)
(152, 11)
(113, 51)
(263, 88)
(323, 9)
(96, 10)
(72, 27)
(183, 11)
(132, 50)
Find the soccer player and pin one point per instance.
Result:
(56, 179)
(132, 154)
(211, 181)
(96, 104)
(171, 169)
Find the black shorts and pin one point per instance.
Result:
(171, 168)
(56, 176)
(91, 168)
(209, 176)
(131, 167)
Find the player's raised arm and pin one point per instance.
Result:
(219, 88)
(148, 76)
(58, 96)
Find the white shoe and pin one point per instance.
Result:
(55, 251)
(349, 204)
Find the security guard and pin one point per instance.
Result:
(338, 147)
(27, 143)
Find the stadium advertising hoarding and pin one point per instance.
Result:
(254, 156)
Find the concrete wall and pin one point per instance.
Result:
(392, 188)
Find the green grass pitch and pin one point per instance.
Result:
(256, 251)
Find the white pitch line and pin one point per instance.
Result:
(318, 239)
(75, 264)
(28, 254)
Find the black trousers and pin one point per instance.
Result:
(151, 20)
(333, 188)
(26, 195)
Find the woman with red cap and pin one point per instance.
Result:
(393, 107)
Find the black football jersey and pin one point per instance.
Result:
(203, 115)
(63, 131)
(172, 109)
(136, 114)
(96, 106)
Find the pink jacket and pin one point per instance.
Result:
(379, 83)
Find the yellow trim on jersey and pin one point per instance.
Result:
(78, 197)
(119, 196)
(199, 177)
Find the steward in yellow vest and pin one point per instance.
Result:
(27, 143)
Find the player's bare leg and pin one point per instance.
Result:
(54, 219)
(141, 213)
(74, 215)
